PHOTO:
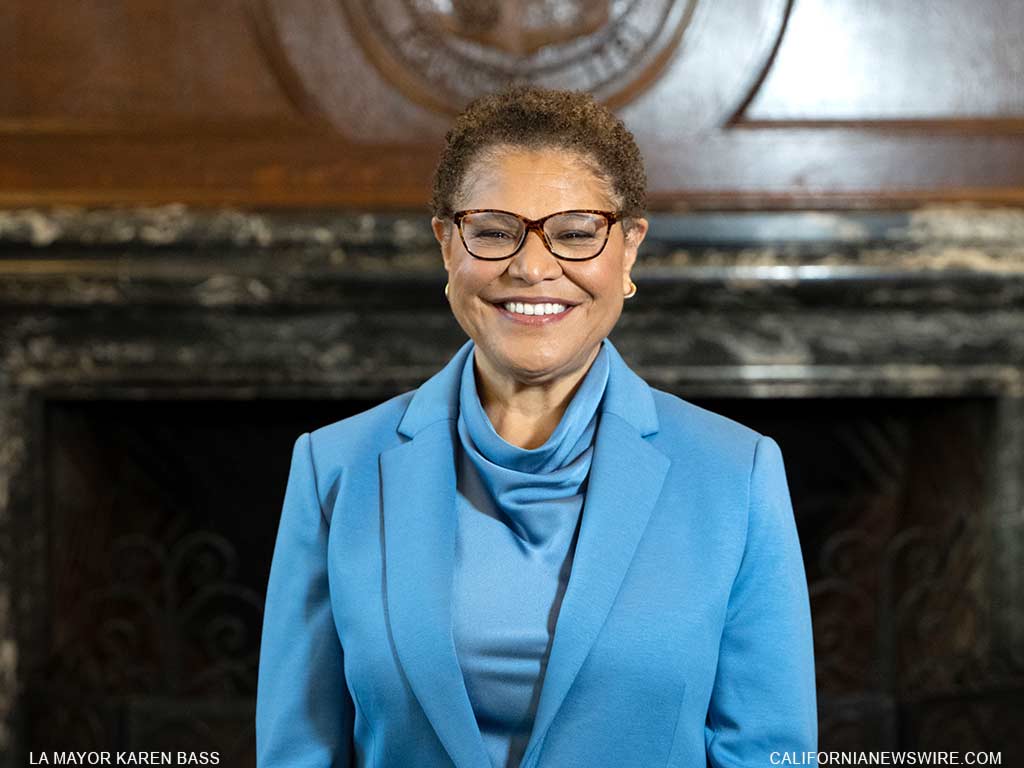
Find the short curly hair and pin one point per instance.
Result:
(532, 117)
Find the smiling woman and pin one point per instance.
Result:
(501, 279)
(535, 558)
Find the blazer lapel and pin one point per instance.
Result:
(419, 528)
(418, 498)
(626, 477)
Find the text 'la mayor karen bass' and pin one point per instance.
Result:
(124, 758)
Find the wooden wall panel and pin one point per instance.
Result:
(82, 62)
(876, 60)
(736, 103)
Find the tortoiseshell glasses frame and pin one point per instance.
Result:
(537, 225)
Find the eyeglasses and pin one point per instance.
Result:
(493, 235)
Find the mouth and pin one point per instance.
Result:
(534, 312)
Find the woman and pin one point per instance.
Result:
(535, 558)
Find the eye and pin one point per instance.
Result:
(493, 234)
(574, 235)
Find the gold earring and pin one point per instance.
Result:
(632, 290)
(446, 290)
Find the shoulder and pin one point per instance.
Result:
(735, 455)
(687, 428)
(365, 433)
(743, 467)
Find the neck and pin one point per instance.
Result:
(525, 414)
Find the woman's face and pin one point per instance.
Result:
(534, 183)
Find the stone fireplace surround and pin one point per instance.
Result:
(885, 350)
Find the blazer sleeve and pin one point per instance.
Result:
(304, 713)
(764, 699)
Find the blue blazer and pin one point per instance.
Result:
(684, 635)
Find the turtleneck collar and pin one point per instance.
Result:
(535, 490)
(570, 438)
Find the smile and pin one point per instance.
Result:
(533, 314)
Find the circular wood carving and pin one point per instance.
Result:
(393, 72)
(443, 53)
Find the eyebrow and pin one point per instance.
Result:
(581, 211)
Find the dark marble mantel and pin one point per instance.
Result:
(739, 303)
(173, 303)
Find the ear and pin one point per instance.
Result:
(443, 234)
(636, 235)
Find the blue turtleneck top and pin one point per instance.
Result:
(518, 514)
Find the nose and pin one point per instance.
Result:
(534, 262)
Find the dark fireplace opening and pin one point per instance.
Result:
(160, 518)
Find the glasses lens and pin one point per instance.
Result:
(491, 235)
(572, 234)
(576, 235)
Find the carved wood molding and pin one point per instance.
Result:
(736, 104)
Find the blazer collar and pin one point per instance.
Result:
(418, 487)
(626, 395)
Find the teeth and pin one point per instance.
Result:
(534, 309)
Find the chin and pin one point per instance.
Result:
(536, 362)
